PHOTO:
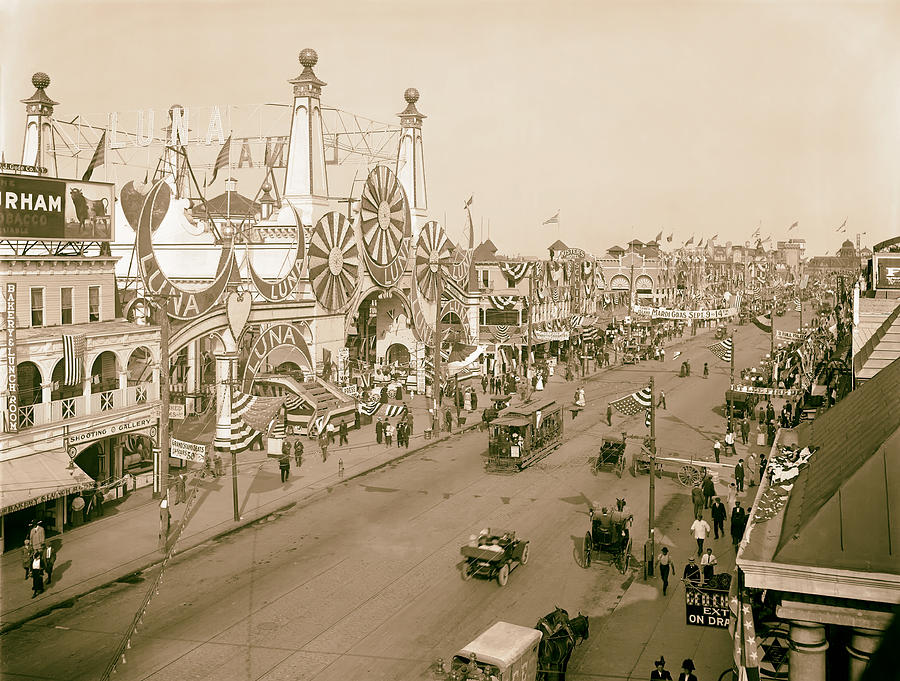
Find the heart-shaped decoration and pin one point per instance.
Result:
(237, 307)
(132, 199)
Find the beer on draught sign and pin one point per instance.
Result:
(706, 607)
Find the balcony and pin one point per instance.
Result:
(47, 413)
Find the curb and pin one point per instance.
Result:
(197, 540)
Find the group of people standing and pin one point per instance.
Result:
(386, 432)
(38, 558)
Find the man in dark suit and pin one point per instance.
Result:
(738, 523)
(718, 516)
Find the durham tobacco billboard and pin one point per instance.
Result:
(59, 210)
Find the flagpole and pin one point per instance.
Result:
(731, 385)
(530, 305)
(652, 511)
(436, 382)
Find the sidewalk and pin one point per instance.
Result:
(125, 541)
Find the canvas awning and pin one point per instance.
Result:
(38, 477)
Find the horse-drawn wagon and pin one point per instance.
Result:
(493, 555)
(611, 456)
(609, 533)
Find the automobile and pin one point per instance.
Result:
(493, 555)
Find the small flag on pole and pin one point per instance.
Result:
(792, 226)
(689, 241)
(633, 403)
(98, 159)
(73, 357)
(223, 159)
(722, 349)
(469, 201)
(843, 226)
(755, 234)
(552, 221)
(669, 238)
(658, 237)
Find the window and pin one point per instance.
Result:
(510, 282)
(65, 305)
(501, 317)
(485, 279)
(37, 307)
(94, 304)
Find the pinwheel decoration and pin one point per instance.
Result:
(333, 261)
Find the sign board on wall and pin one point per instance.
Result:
(177, 411)
(12, 378)
(887, 272)
(85, 436)
(55, 210)
(706, 608)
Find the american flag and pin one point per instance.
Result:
(98, 159)
(552, 221)
(647, 419)
(746, 648)
(633, 403)
(797, 305)
(251, 415)
(73, 357)
(722, 349)
(223, 159)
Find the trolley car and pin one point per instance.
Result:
(524, 433)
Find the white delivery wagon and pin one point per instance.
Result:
(505, 652)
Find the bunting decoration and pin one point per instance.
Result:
(556, 272)
(501, 333)
(763, 323)
(576, 320)
(251, 416)
(73, 357)
(539, 270)
(722, 349)
(587, 267)
(514, 270)
(554, 294)
(502, 302)
(633, 403)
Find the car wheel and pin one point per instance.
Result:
(503, 575)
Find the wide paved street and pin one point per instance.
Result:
(365, 583)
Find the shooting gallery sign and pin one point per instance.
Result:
(55, 210)
(706, 608)
(667, 313)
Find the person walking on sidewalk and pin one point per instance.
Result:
(709, 491)
(379, 430)
(27, 557)
(323, 445)
(738, 523)
(298, 452)
(729, 442)
(705, 370)
(739, 475)
(37, 574)
(660, 673)
(718, 517)
(341, 469)
(388, 434)
(708, 565)
(662, 399)
(98, 500)
(609, 414)
(37, 536)
(745, 430)
(285, 454)
(697, 500)
(343, 432)
(700, 530)
(49, 560)
(717, 449)
(687, 671)
(665, 566)
(284, 462)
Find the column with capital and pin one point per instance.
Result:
(808, 648)
(226, 378)
(863, 644)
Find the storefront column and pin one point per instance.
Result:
(86, 394)
(47, 392)
(808, 648)
(863, 644)
(123, 380)
(225, 379)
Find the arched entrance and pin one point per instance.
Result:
(105, 373)
(397, 354)
(28, 377)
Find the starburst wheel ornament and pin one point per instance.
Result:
(333, 261)
(433, 254)
(385, 221)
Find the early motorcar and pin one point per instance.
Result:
(494, 555)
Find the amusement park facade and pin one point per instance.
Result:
(292, 293)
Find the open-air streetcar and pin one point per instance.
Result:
(610, 533)
(524, 433)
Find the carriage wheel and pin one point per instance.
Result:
(503, 575)
(689, 476)
(466, 574)
(524, 559)
(626, 556)
(588, 546)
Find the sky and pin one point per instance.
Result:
(629, 118)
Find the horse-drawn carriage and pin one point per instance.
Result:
(610, 534)
(493, 555)
(611, 456)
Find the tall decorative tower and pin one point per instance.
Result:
(40, 146)
(305, 183)
(411, 161)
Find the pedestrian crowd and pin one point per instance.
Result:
(38, 558)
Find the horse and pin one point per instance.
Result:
(552, 622)
(620, 504)
(554, 653)
(580, 627)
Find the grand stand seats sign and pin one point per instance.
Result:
(42, 208)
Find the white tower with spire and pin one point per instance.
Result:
(305, 182)
(410, 169)
(39, 148)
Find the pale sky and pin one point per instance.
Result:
(628, 117)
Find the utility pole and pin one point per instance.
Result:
(530, 314)
(652, 511)
(436, 384)
(159, 302)
(731, 385)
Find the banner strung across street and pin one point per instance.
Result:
(57, 210)
(667, 313)
(757, 390)
(544, 336)
(188, 451)
(789, 335)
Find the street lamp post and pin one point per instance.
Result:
(159, 303)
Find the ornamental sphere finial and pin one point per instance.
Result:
(40, 80)
(411, 95)
(308, 57)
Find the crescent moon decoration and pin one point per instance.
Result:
(385, 224)
(432, 256)
(333, 261)
(279, 290)
(180, 304)
(424, 330)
